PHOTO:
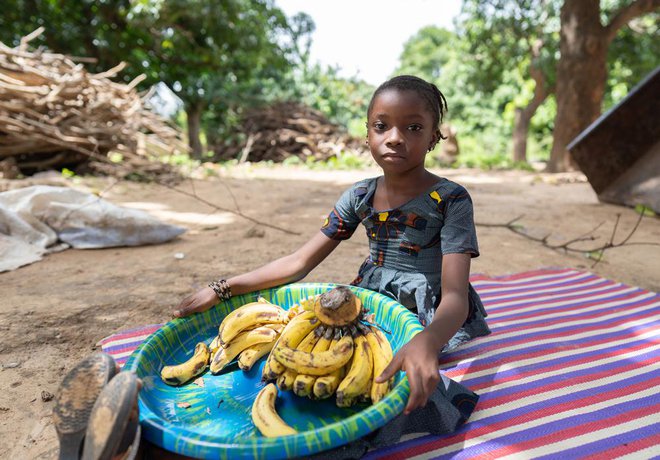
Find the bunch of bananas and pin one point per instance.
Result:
(249, 332)
(326, 345)
(327, 349)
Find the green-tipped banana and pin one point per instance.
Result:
(247, 316)
(357, 382)
(181, 373)
(264, 416)
(320, 363)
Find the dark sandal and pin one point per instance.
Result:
(113, 422)
(75, 399)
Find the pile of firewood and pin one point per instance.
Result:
(287, 129)
(55, 114)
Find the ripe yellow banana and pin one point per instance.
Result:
(293, 333)
(320, 363)
(264, 416)
(181, 373)
(304, 383)
(358, 379)
(244, 340)
(249, 315)
(286, 379)
(326, 385)
(214, 345)
(251, 355)
(382, 355)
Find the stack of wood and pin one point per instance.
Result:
(286, 129)
(54, 114)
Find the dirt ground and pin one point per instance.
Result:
(53, 312)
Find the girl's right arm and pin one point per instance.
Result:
(287, 269)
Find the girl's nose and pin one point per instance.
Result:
(395, 137)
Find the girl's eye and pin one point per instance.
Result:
(414, 127)
(379, 125)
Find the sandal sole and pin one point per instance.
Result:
(109, 421)
(75, 400)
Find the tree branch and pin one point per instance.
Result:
(628, 13)
(595, 253)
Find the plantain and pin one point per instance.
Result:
(304, 383)
(181, 373)
(292, 335)
(286, 379)
(382, 355)
(337, 307)
(320, 363)
(358, 378)
(325, 385)
(214, 345)
(251, 355)
(265, 417)
(244, 340)
(249, 315)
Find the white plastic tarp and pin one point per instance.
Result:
(34, 219)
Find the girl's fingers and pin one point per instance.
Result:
(390, 370)
(416, 392)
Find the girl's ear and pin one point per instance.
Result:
(435, 139)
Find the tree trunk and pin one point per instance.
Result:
(582, 69)
(523, 117)
(194, 111)
(581, 76)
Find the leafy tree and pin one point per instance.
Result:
(100, 32)
(208, 51)
(514, 39)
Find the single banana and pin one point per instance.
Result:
(181, 373)
(244, 340)
(320, 363)
(214, 345)
(358, 379)
(264, 416)
(382, 355)
(304, 383)
(251, 355)
(249, 315)
(292, 335)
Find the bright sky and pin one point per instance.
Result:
(366, 37)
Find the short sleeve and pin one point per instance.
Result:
(343, 219)
(458, 234)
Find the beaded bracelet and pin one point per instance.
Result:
(221, 289)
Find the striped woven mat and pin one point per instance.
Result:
(571, 370)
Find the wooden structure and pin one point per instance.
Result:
(620, 151)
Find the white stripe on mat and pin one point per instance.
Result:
(526, 424)
(548, 357)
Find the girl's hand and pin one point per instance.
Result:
(199, 301)
(419, 360)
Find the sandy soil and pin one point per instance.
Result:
(53, 312)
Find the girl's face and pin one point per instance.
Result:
(400, 130)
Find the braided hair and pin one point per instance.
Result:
(435, 100)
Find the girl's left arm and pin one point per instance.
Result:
(419, 357)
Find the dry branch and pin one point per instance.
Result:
(596, 253)
(54, 114)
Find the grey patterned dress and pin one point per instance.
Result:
(406, 246)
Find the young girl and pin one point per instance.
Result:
(421, 236)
